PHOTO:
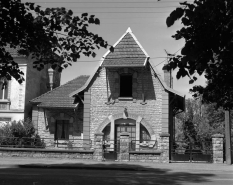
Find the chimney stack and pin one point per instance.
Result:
(50, 72)
(168, 76)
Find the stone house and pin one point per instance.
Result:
(125, 94)
(14, 99)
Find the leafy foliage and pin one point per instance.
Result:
(199, 122)
(207, 31)
(22, 129)
(51, 36)
(20, 134)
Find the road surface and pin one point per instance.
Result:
(157, 176)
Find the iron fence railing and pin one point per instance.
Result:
(37, 142)
(186, 151)
(134, 145)
(138, 145)
(187, 147)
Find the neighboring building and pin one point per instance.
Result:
(14, 99)
(125, 94)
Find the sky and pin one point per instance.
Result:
(147, 20)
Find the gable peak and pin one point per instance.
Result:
(129, 30)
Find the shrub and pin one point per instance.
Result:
(20, 134)
(22, 128)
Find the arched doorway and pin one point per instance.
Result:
(139, 130)
(112, 146)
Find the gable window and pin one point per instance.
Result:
(126, 84)
(62, 130)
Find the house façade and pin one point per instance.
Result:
(124, 95)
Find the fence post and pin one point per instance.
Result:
(164, 146)
(217, 144)
(124, 147)
(98, 147)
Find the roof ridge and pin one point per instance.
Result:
(33, 100)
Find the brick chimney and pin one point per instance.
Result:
(168, 79)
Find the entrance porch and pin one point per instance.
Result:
(141, 136)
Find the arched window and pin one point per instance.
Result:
(144, 134)
(106, 132)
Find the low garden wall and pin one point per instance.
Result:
(159, 155)
(145, 156)
(46, 153)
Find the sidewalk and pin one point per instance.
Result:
(108, 165)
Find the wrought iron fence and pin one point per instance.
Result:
(137, 145)
(37, 142)
(134, 145)
(186, 147)
(192, 151)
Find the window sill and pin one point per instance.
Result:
(125, 99)
(4, 101)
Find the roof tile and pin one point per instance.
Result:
(126, 53)
(59, 97)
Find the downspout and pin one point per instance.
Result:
(107, 86)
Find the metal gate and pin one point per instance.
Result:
(110, 150)
(184, 151)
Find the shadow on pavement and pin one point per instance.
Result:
(104, 173)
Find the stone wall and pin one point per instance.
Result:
(145, 156)
(98, 152)
(103, 101)
(161, 155)
(43, 153)
(217, 144)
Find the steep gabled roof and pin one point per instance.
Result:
(128, 52)
(59, 97)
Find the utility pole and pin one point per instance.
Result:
(228, 146)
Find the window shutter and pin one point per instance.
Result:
(117, 86)
(135, 85)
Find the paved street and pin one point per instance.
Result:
(15, 171)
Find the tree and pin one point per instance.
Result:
(207, 31)
(208, 34)
(52, 36)
(199, 122)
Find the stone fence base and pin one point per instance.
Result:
(161, 155)
(146, 156)
(46, 153)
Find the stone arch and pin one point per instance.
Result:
(131, 116)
